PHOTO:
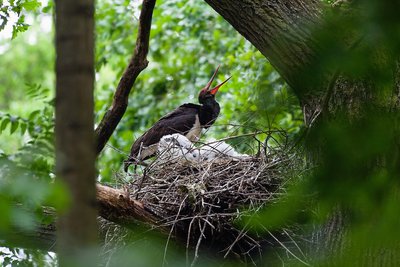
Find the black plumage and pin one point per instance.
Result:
(188, 119)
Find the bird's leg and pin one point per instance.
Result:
(141, 182)
(138, 161)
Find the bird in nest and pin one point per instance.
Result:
(176, 147)
(188, 120)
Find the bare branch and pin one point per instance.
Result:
(136, 65)
(117, 206)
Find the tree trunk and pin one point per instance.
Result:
(288, 34)
(75, 155)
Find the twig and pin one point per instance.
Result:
(294, 242)
(188, 240)
(196, 252)
(242, 233)
(117, 150)
(170, 232)
(286, 248)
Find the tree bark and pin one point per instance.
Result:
(117, 206)
(75, 155)
(285, 32)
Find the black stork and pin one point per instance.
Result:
(188, 119)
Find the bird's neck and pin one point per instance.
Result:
(209, 112)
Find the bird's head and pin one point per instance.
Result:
(206, 92)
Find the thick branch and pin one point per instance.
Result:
(117, 206)
(114, 205)
(137, 63)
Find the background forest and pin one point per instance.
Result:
(188, 41)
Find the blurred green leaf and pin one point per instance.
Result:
(4, 123)
(31, 5)
(14, 126)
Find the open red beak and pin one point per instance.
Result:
(214, 90)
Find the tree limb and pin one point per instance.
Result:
(113, 204)
(136, 65)
(117, 206)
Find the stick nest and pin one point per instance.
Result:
(201, 201)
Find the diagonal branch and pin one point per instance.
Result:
(137, 63)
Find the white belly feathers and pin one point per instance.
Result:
(194, 134)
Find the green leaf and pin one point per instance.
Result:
(6, 261)
(33, 115)
(31, 5)
(48, 8)
(4, 21)
(20, 26)
(23, 126)
(14, 126)
(4, 123)
(17, 9)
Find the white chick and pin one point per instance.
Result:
(219, 149)
(193, 155)
(173, 146)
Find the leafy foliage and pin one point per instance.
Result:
(18, 8)
(20, 257)
(26, 174)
